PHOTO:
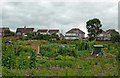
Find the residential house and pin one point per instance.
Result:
(75, 33)
(108, 33)
(54, 31)
(46, 31)
(2, 31)
(43, 31)
(102, 36)
(22, 31)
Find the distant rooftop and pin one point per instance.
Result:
(73, 30)
(24, 30)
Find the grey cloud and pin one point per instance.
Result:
(63, 15)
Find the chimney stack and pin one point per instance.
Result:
(24, 27)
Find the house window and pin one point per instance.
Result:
(70, 34)
(79, 34)
(67, 37)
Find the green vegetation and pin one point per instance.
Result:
(115, 36)
(33, 60)
(38, 36)
(19, 59)
(9, 33)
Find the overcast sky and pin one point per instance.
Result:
(58, 15)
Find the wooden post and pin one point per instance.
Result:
(33, 46)
(38, 49)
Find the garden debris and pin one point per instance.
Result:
(62, 46)
(109, 55)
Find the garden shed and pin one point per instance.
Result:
(97, 49)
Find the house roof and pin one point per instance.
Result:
(70, 36)
(53, 31)
(24, 30)
(61, 35)
(109, 31)
(75, 30)
(104, 32)
(42, 30)
(2, 29)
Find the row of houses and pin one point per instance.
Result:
(22, 31)
(74, 33)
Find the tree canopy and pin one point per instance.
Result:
(114, 36)
(94, 27)
(9, 33)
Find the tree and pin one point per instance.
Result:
(114, 36)
(54, 35)
(29, 35)
(94, 28)
(46, 37)
(9, 33)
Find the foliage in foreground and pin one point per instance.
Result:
(61, 60)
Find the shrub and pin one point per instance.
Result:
(67, 51)
(69, 63)
(8, 59)
(22, 64)
(59, 57)
(33, 60)
(63, 41)
(70, 58)
(48, 51)
(118, 56)
(41, 60)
